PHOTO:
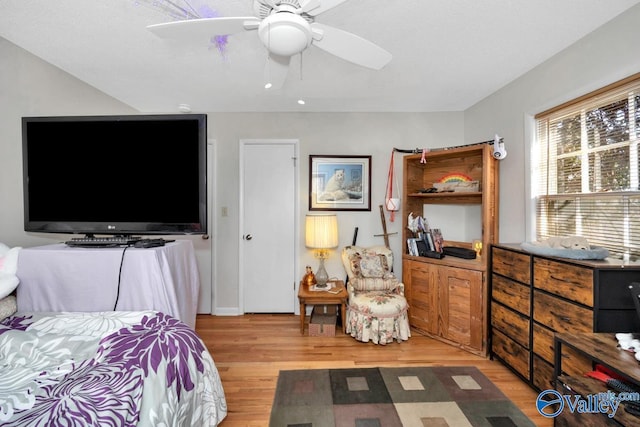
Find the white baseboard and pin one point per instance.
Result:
(226, 311)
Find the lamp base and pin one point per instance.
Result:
(321, 275)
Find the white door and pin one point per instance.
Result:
(268, 224)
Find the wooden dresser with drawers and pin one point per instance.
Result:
(534, 296)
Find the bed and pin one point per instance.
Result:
(138, 368)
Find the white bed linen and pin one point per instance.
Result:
(142, 369)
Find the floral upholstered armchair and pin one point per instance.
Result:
(377, 308)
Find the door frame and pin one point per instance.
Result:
(296, 252)
(212, 235)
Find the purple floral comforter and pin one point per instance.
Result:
(106, 369)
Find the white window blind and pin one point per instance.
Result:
(586, 172)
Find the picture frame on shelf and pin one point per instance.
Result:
(438, 240)
(339, 183)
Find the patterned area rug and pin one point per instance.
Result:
(388, 397)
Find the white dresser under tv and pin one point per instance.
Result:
(62, 278)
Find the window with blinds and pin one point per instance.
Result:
(586, 169)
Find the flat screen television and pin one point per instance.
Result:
(115, 175)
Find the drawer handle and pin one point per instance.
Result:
(563, 318)
(560, 279)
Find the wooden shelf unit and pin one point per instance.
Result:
(448, 297)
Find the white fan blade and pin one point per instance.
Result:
(349, 47)
(194, 29)
(324, 6)
(275, 71)
(308, 5)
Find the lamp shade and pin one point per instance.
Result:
(321, 231)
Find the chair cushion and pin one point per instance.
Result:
(371, 265)
(378, 304)
(374, 284)
(368, 263)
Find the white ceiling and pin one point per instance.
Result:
(447, 54)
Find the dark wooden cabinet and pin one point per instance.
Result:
(533, 297)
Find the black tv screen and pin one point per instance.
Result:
(115, 175)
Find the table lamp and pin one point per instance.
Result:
(321, 233)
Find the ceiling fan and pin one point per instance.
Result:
(286, 28)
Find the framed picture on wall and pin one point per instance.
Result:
(339, 183)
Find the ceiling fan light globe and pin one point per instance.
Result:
(285, 34)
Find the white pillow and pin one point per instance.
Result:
(8, 282)
(8, 268)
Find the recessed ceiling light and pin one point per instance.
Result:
(184, 108)
(268, 86)
(301, 101)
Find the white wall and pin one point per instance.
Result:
(29, 86)
(602, 57)
(374, 134)
(32, 87)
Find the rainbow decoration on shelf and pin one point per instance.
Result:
(455, 177)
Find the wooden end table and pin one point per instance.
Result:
(309, 297)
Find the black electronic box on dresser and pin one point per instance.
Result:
(535, 296)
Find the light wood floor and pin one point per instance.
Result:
(250, 350)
